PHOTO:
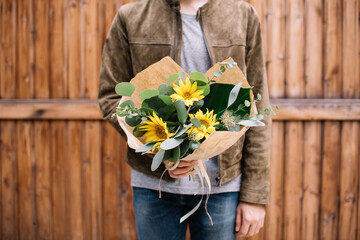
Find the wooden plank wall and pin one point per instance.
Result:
(65, 177)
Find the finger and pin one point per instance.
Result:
(244, 228)
(178, 171)
(252, 229)
(177, 176)
(238, 219)
(187, 163)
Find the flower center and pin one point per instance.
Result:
(160, 132)
(204, 123)
(187, 95)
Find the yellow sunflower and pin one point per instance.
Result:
(187, 92)
(156, 130)
(207, 121)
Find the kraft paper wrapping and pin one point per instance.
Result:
(156, 74)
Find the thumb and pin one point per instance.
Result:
(238, 219)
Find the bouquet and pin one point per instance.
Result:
(175, 116)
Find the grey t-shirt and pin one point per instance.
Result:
(194, 57)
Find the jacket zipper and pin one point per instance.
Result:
(198, 16)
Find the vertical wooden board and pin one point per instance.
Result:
(7, 49)
(313, 48)
(42, 156)
(25, 163)
(111, 182)
(293, 168)
(275, 58)
(294, 49)
(274, 210)
(75, 141)
(42, 54)
(92, 48)
(58, 70)
(260, 7)
(59, 173)
(312, 180)
(331, 49)
(24, 80)
(75, 35)
(108, 14)
(127, 209)
(8, 180)
(348, 180)
(330, 180)
(92, 171)
(350, 82)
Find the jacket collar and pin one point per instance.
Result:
(175, 4)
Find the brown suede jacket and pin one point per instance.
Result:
(145, 31)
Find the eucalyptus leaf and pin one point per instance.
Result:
(148, 93)
(234, 94)
(171, 143)
(206, 88)
(222, 69)
(217, 74)
(125, 89)
(181, 111)
(184, 148)
(175, 154)
(199, 104)
(198, 77)
(166, 99)
(165, 89)
(146, 147)
(182, 130)
(157, 160)
(195, 122)
(247, 103)
(129, 103)
(250, 123)
(172, 78)
(194, 145)
(182, 76)
(259, 96)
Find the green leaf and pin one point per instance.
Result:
(184, 148)
(194, 145)
(200, 103)
(181, 111)
(166, 99)
(266, 111)
(234, 94)
(206, 89)
(129, 103)
(277, 107)
(165, 90)
(230, 66)
(222, 69)
(171, 143)
(182, 130)
(148, 93)
(247, 103)
(172, 78)
(125, 89)
(175, 154)
(217, 74)
(271, 109)
(132, 121)
(198, 77)
(195, 122)
(259, 96)
(146, 147)
(157, 160)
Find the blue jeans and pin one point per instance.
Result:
(159, 218)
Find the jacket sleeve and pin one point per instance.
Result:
(255, 182)
(115, 67)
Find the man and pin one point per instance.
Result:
(142, 33)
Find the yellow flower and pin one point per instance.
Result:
(156, 130)
(187, 92)
(207, 121)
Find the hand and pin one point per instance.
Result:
(182, 169)
(250, 219)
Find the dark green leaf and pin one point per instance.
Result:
(267, 111)
(181, 111)
(184, 148)
(157, 160)
(206, 89)
(166, 99)
(148, 93)
(199, 104)
(125, 89)
(222, 69)
(132, 121)
(172, 78)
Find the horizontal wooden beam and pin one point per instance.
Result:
(88, 109)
